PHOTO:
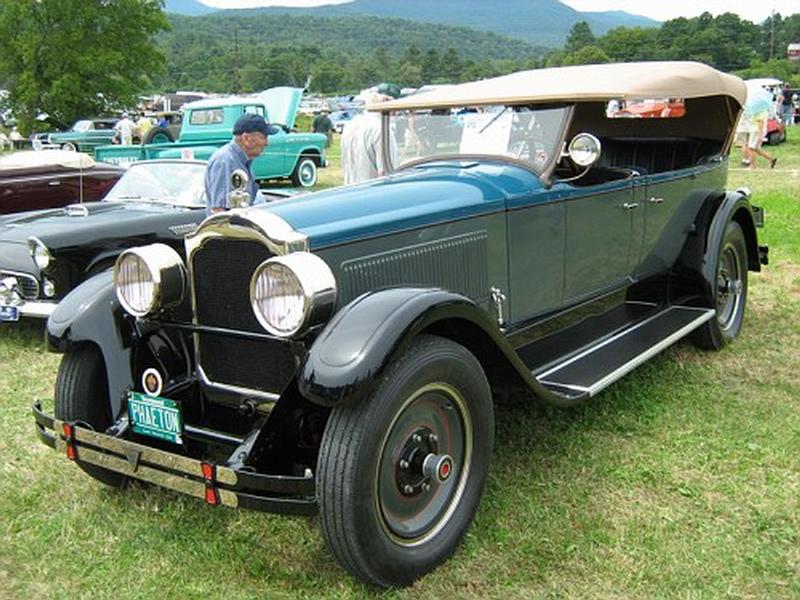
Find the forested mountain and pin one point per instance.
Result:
(246, 51)
(539, 22)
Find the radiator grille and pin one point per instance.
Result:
(458, 264)
(222, 270)
(28, 284)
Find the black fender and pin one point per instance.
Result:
(355, 348)
(91, 313)
(701, 252)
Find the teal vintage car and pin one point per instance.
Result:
(85, 135)
(341, 352)
(208, 124)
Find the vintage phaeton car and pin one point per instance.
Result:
(44, 254)
(52, 178)
(339, 352)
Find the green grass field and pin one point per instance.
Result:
(682, 480)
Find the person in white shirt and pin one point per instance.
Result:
(362, 154)
(125, 129)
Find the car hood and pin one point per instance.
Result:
(89, 221)
(416, 197)
(282, 104)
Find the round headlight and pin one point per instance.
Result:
(291, 293)
(149, 278)
(39, 252)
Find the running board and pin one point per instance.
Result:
(596, 367)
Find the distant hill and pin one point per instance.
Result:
(350, 37)
(539, 22)
(190, 8)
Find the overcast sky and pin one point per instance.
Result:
(754, 10)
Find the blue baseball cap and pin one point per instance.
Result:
(251, 123)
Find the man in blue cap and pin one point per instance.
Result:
(250, 136)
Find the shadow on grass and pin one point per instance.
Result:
(27, 333)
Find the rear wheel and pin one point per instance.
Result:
(69, 147)
(400, 474)
(158, 135)
(82, 396)
(730, 292)
(305, 173)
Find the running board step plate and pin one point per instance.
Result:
(598, 366)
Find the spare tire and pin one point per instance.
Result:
(158, 135)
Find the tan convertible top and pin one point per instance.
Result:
(638, 80)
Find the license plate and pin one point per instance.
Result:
(154, 416)
(9, 313)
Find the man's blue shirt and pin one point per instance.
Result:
(218, 175)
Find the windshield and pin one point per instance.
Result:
(82, 126)
(177, 183)
(524, 133)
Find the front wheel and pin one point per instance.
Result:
(82, 396)
(69, 147)
(730, 292)
(400, 473)
(305, 173)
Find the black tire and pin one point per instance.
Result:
(377, 516)
(158, 135)
(305, 172)
(82, 396)
(774, 138)
(730, 292)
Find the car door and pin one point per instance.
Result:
(602, 237)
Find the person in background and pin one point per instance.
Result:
(143, 126)
(322, 124)
(124, 129)
(4, 142)
(758, 129)
(250, 136)
(162, 122)
(786, 106)
(16, 138)
(362, 154)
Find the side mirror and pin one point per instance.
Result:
(238, 197)
(584, 150)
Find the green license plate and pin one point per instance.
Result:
(155, 416)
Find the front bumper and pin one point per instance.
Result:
(216, 484)
(39, 309)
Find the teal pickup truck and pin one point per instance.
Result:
(208, 125)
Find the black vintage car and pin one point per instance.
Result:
(46, 253)
(339, 353)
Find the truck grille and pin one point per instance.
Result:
(28, 284)
(222, 270)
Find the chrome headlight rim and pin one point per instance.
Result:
(167, 274)
(316, 282)
(40, 253)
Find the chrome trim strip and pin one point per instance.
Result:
(248, 224)
(569, 386)
(614, 338)
(235, 389)
(652, 351)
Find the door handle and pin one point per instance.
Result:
(54, 183)
(655, 200)
(630, 205)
